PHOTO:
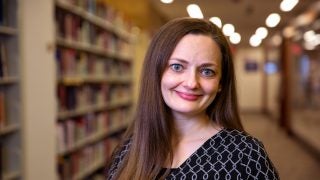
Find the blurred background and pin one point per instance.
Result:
(70, 74)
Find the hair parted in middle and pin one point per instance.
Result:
(152, 130)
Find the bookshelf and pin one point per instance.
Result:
(10, 95)
(94, 85)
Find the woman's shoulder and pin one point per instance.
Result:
(251, 153)
(117, 157)
(240, 139)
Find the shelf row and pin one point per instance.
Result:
(98, 21)
(11, 175)
(8, 80)
(85, 162)
(91, 49)
(93, 138)
(8, 30)
(79, 80)
(93, 108)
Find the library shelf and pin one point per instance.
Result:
(79, 80)
(4, 30)
(91, 168)
(63, 116)
(10, 92)
(95, 20)
(8, 80)
(93, 138)
(94, 84)
(12, 175)
(7, 129)
(91, 49)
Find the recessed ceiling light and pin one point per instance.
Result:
(255, 41)
(216, 21)
(262, 32)
(166, 1)
(228, 29)
(194, 11)
(288, 5)
(235, 38)
(273, 20)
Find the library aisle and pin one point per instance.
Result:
(291, 159)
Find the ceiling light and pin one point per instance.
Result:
(262, 32)
(228, 29)
(273, 20)
(216, 21)
(166, 1)
(235, 38)
(288, 5)
(255, 40)
(194, 11)
(309, 46)
(309, 35)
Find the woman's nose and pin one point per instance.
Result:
(191, 80)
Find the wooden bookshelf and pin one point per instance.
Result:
(93, 108)
(94, 84)
(11, 175)
(4, 30)
(10, 92)
(8, 129)
(8, 80)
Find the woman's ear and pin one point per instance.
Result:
(219, 88)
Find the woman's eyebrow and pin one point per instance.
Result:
(179, 59)
(208, 64)
(205, 64)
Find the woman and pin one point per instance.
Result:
(187, 124)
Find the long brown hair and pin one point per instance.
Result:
(151, 132)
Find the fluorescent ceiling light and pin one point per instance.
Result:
(273, 20)
(228, 29)
(216, 21)
(288, 5)
(194, 11)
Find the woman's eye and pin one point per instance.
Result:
(176, 67)
(207, 72)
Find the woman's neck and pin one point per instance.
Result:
(193, 128)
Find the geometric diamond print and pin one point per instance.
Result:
(228, 155)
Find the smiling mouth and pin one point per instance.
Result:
(187, 96)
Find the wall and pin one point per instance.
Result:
(249, 84)
(273, 86)
(257, 92)
(36, 34)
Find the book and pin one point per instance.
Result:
(2, 110)
(3, 13)
(3, 60)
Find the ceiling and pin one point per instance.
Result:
(245, 15)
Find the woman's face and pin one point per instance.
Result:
(191, 79)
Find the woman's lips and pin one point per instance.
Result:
(188, 96)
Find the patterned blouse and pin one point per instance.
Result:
(229, 154)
